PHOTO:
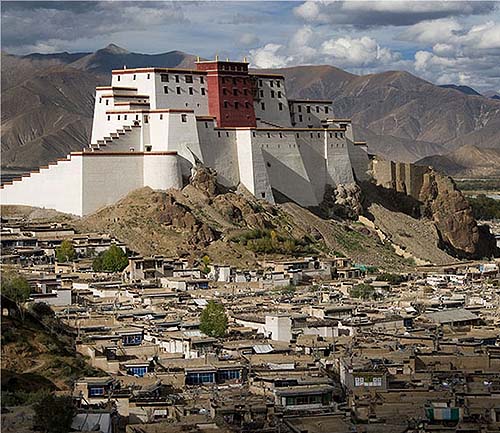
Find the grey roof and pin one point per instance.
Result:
(450, 316)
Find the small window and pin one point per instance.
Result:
(261, 93)
(206, 124)
(164, 78)
(260, 83)
(280, 106)
(298, 135)
(148, 77)
(189, 78)
(271, 83)
(134, 77)
(317, 108)
(300, 108)
(247, 105)
(184, 118)
(109, 118)
(224, 91)
(235, 81)
(161, 116)
(263, 106)
(279, 94)
(119, 78)
(278, 83)
(118, 117)
(125, 117)
(202, 90)
(236, 105)
(311, 135)
(100, 100)
(319, 135)
(235, 92)
(136, 117)
(202, 80)
(178, 90)
(253, 134)
(165, 89)
(218, 133)
(146, 119)
(107, 101)
(263, 194)
(308, 109)
(226, 104)
(149, 148)
(191, 92)
(272, 93)
(300, 117)
(326, 110)
(268, 135)
(245, 92)
(227, 134)
(176, 78)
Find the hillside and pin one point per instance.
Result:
(47, 103)
(466, 161)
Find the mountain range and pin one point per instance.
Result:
(47, 102)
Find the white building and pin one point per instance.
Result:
(152, 125)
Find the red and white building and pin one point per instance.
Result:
(152, 125)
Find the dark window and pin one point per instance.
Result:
(280, 106)
(161, 116)
(118, 78)
(245, 92)
(247, 105)
(235, 81)
(118, 117)
(298, 135)
(107, 101)
(317, 109)
(262, 93)
(326, 110)
(189, 78)
(262, 105)
(272, 93)
(178, 90)
(235, 92)
(125, 117)
(226, 104)
(218, 133)
(300, 108)
(224, 91)
(263, 194)
(236, 105)
(148, 76)
(109, 117)
(300, 117)
(202, 80)
(202, 90)
(308, 109)
(146, 119)
(271, 83)
(191, 91)
(164, 78)
(278, 83)
(206, 124)
(184, 118)
(134, 76)
(260, 83)
(279, 94)
(165, 89)
(176, 78)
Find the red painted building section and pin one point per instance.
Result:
(229, 88)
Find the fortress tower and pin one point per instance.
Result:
(230, 98)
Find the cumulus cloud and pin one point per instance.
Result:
(308, 47)
(377, 13)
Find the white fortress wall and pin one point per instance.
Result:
(270, 103)
(252, 168)
(358, 157)
(57, 187)
(142, 81)
(309, 113)
(338, 163)
(284, 165)
(219, 150)
(174, 90)
(162, 170)
(107, 177)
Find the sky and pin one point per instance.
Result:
(441, 41)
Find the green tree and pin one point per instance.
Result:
(363, 291)
(213, 320)
(205, 261)
(65, 252)
(15, 287)
(54, 414)
(111, 260)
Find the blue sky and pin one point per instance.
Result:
(444, 42)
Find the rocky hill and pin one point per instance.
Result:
(47, 103)
(466, 162)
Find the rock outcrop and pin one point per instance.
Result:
(425, 193)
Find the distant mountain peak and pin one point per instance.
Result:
(115, 49)
(464, 89)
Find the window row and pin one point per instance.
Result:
(164, 78)
(308, 109)
(146, 117)
(271, 83)
(235, 92)
(263, 106)
(237, 104)
(234, 80)
(178, 90)
(297, 134)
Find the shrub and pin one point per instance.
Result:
(65, 252)
(213, 320)
(111, 260)
(54, 414)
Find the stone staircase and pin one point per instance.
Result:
(125, 136)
